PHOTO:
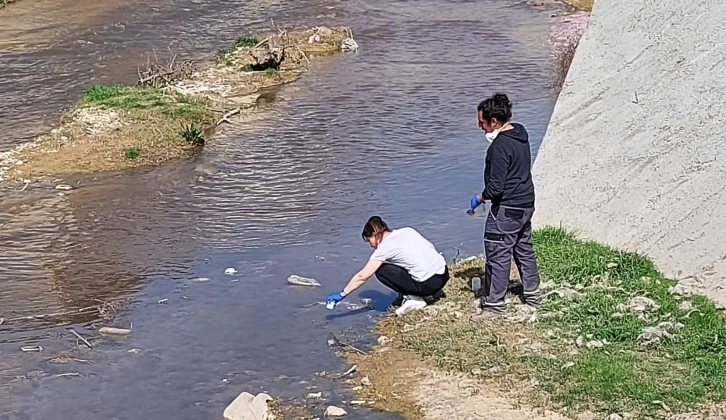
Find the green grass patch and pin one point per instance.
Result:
(132, 153)
(686, 371)
(247, 68)
(223, 54)
(271, 72)
(129, 98)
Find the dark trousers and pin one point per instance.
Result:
(398, 280)
(508, 233)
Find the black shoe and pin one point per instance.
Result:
(430, 300)
(517, 288)
(398, 302)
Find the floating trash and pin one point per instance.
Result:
(367, 303)
(28, 349)
(303, 281)
(230, 271)
(333, 340)
(349, 45)
(117, 331)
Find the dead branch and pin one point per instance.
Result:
(82, 339)
(160, 74)
(227, 115)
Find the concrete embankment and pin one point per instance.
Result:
(635, 153)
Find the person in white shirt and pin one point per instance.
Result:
(403, 261)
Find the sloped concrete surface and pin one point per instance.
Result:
(635, 153)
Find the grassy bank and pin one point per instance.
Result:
(614, 336)
(173, 109)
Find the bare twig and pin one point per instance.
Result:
(261, 43)
(61, 375)
(354, 348)
(227, 115)
(349, 371)
(82, 339)
(302, 52)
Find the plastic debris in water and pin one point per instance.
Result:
(333, 340)
(349, 45)
(303, 281)
(230, 271)
(31, 348)
(111, 330)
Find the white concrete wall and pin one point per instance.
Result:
(649, 174)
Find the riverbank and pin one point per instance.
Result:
(614, 337)
(173, 109)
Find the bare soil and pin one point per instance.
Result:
(402, 382)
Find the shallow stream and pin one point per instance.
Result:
(390, 130)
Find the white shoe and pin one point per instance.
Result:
(411, 303)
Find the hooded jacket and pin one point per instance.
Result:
(507, 174)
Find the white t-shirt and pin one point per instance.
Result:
(406, 248)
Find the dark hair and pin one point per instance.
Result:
(374, 226)
(498, 106)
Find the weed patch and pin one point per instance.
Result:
(223, 54)
(132, 152)
(193, 135)
(128, 98)
(612, 335)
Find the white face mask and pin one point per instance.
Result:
(493, 135)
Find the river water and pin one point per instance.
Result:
(389, 130)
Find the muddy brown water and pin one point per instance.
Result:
(389, 130)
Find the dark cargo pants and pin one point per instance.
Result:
(507, 234)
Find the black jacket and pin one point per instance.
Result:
(508, 175)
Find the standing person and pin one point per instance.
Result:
(509, 187)
(403, 261)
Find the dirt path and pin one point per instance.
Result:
(444, 397)
(398, 380)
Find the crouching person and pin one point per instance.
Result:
(405, 262)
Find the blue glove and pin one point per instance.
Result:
(473, 204)
(334, 298)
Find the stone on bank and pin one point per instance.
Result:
(249, 407)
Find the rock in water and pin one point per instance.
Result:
(334, 411)
(249, 407)
(302, 281)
